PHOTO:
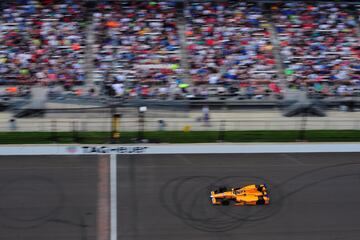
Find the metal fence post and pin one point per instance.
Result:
(112, 113)
(303, 125)
(54, 131)
(74, 132)
(221, 131)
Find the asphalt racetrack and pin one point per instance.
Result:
(48, 197)
(162, 197)
(313, 196)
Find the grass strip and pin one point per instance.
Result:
(181, 137)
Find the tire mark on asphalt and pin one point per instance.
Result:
(133, 195)
(213, 224)
(291, 158)
(314, 171)
(30, 188)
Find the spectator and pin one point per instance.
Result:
(228, 43)
(162, 125)
(139, 40)
(13, 125)
(41, 41)
(319, 43)
(206, 115)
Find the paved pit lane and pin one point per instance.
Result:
(48, 197)
(313, 196)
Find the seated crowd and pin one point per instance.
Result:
(319, 46)
(229, 43)
(42, 42)
(137, 45)
(148, 48)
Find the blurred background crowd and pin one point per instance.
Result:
(176, 50)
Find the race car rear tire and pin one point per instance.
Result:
(225, 202)
(261, 201)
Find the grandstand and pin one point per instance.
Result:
(171, 50)
(136, 43)
(320, 45)
(229, 42)
(42, 43)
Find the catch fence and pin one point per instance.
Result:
(135, 130)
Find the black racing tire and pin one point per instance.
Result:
(261, 201)
(225, 202)
(222, 189)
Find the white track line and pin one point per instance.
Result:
(113, 197)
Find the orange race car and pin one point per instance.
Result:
(247, 195)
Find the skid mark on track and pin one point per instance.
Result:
(183, 158)
(292, 159)
(188, 197)
(190, 202)
(133, 195)
(33, 190)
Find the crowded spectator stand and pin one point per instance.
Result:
(137, 47)
(229, 44)
(138, 50)
(42, 42)
(319, 46)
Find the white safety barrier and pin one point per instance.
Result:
(179, 149)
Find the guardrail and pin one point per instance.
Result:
(131, 125)
(219, 102)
